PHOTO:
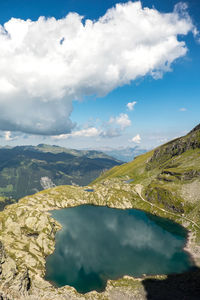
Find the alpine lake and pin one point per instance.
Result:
(99, 243)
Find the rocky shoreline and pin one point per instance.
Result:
(193, 248)
(27, 235)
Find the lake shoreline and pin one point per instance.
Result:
(128, 227)
(193, 248)
(30, 222)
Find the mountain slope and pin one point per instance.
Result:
(25, 170)
(27, 230)
(169, 175)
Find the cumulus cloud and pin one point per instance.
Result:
(111, 132)
(113, 128)
(89, 132)
(122, 120)
(46, 64)
(7, 136)
(106, 132)
(10, 136)
(136, 139)
(131, 105)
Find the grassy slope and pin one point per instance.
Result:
(166, 174)
(134, 169)
(170, 175)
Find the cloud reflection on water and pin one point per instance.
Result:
(97, 243)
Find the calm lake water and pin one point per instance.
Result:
(100, 243)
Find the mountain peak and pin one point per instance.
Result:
(195, 128)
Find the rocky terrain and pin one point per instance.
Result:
(28, 236)
(27, 230)
(170, 175)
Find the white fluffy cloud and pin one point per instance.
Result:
(131, 105)
(46, 64)
(113, 128)
(136, 139)
(111, 132)
(122, 120)
(89, 132)
(8, 136)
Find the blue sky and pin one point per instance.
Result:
(41, 107)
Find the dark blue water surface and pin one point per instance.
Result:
(101, 243)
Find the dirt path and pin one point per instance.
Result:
(138, 189)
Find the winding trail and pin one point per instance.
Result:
(138, 189)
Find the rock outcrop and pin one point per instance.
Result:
(28, 235)
(166, 183)
(175, 148)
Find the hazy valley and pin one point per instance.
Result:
(25, 170)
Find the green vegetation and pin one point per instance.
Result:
(169, 175)
(134, 169)
(25, 170)
(5, 201)
(166, 183)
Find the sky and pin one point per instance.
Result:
(98, 73)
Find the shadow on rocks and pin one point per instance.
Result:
(185, 286)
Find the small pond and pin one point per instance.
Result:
(100, 243)
(129, 180)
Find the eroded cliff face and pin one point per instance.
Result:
(27, 236)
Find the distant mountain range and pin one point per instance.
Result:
(164, 182)
(125, 154)
(25, 170)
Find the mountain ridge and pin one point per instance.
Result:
(22, 168)
(27, 230)
(169, 174)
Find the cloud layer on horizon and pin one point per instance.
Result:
(113, 128)
(48, 63)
